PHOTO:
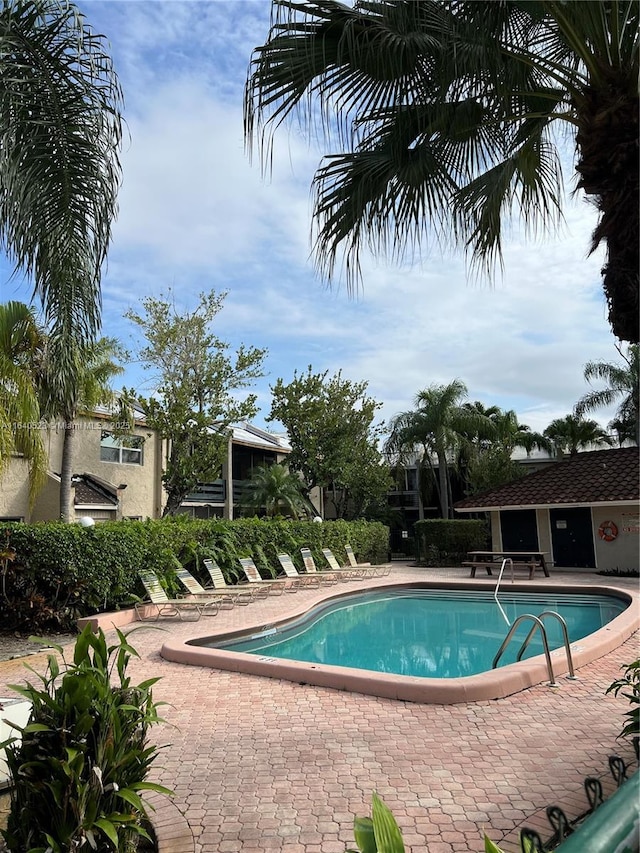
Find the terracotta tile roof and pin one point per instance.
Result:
(598, 477)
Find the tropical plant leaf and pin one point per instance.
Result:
(490, 847)
(364, 835)
(109, 830)
(386, 830)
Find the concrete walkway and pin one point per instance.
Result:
(259, 764)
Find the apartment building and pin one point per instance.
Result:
(121, 477)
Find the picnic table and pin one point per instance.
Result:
(489, 560)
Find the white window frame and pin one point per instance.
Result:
(125, 451)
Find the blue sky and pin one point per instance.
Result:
(196, 214)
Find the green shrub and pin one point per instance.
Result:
(445, 542)
(55, 573)
(629, 686)
(83, 758)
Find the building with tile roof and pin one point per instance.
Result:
(114, 477)
(584, 511)
(120, 477)
(249, 448)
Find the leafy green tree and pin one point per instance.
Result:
(22, 343)
(476, 440)
(330, 426)
(278, 491)
(97, 363)
(370, 480)
(447, 118)
(434, 430)
(492, 468)
(572, 433)
(623, 385)
(60, 134)
(196, 391)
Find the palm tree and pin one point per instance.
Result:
(573, 433)
(436, 426)
(476, 441)
(96, 366)
(510, 434)
(447, 116)
(623, 384)
(492, 464)
(60, 134)
(21, 345)
(277, 490)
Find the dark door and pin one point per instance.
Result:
(519, 530)
(572, 537)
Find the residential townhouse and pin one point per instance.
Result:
(121, 477)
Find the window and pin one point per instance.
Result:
(127, 450)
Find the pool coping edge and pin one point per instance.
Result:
(491, 685)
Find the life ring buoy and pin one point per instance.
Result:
(608, 531)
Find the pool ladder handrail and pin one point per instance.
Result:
(499, 581)
(565, 639)
(538, 624)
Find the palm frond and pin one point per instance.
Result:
(60, 131)
(441, 117)
(21, 339)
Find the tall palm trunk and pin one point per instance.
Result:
(444, 483)
(607, 142)
(420, 487)
(66, 470)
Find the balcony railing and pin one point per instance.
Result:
(216, 492)
(399, 498)
(208, 493)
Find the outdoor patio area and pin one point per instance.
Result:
(263, 764)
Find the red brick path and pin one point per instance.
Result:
(260, 764)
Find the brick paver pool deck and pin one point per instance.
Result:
(260, 764)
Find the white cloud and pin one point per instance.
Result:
(196, 214)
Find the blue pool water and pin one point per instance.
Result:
(421, 632)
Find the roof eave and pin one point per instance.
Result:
(567, 505)
(110, 507)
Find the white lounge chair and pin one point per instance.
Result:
(357, 572)
(333, 575)
(379, 571)
(276, 585)
(245, 593)
(195, 588)
(162, 606)
(306, 579)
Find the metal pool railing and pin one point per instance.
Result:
(538, 623)
(499, 581)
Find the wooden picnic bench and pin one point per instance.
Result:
(489, 560)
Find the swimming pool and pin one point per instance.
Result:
(439, 645)
(424, 633)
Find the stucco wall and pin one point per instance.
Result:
(624, 551)
(14, 490)
(544, 530)
(47, 505)
(142, 497)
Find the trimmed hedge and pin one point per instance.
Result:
(53, 573)
(445, 542)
